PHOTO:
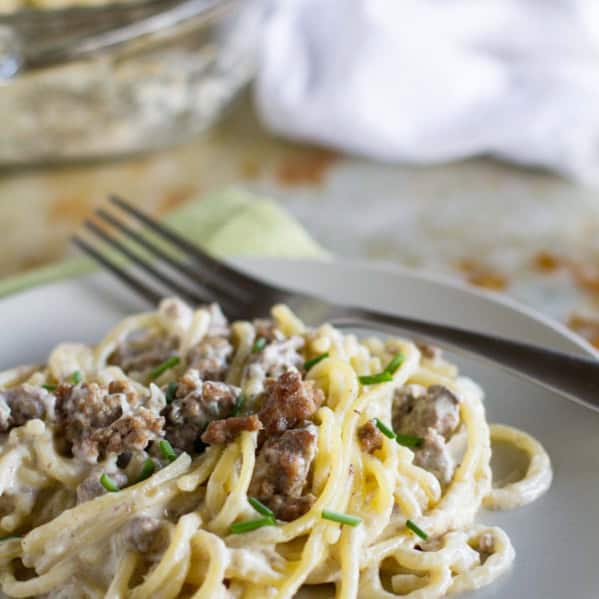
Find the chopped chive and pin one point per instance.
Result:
(50, 387)
(167, 451)
(239, 403)
(310, 363)
(416, 530)
(147, 469)
(386, 375)
(76, 377)
(108, 483)
(249, 525)
(259, 345)
(409, 440)
(170, 392)
(374, 379)
(260, 507)
(385, 429)
(166, 365)
(395, 363)
(341, 518)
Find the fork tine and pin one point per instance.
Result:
(134, 283)
(143, 264)
(182, 267)
(219, 272)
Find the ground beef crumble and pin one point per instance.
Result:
(224, 431)
(370, 437)
(143, 350)
(416, 409)
(196, 404)
(146, 535)
(287, 402)
(281, 472)
(432, 414)
(276, 358)
(211, 357)
(23, 403)
(267, 329)
(97, 420)
(434, 456)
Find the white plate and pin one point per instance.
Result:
(556, 538)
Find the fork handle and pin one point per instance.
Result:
(568, 374)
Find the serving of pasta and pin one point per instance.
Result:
(186, 456)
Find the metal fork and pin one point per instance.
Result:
(197, 277)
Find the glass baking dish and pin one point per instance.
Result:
(99, 82)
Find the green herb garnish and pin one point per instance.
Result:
(170, 392)
(147, 469)
(375, 379)
(395, 363)
(416, 530)
(341, 518)
(259, 345)
(310, 363)
(260, 507)
(409, 440)
(76, 377)
(108, 483)
(386, 375)
(50, 387)
(166, 365)
(9, 537)
(167, 451)
(384, 429)
(249, 525)
(239, 403)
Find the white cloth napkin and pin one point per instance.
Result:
(433, 80)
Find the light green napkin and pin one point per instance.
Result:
(231, 222)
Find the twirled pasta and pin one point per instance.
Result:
(62, 548)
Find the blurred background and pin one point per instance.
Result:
(460, 137)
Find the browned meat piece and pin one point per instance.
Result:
(416, 410)
(266, 328)
(370, 437)
(91, 487)
(281, 472)
(146, 535)
(288, 401)
(97, 420)
(224, 431)
(291, 508)
(211, 357)
(86, 407)
(143, 350)
(434, 415)
(434, 456)
(23, 403)
(277, 357)
(196, 404)
(132, 431)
